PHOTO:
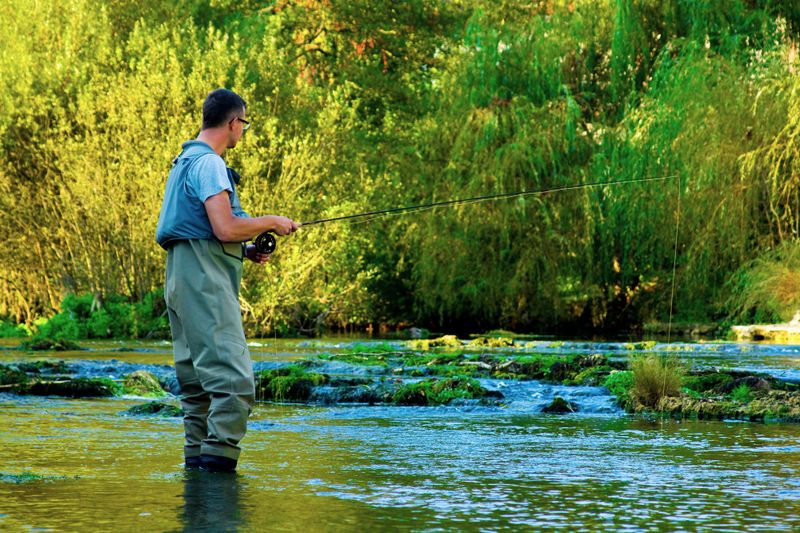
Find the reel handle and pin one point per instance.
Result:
(265, 243)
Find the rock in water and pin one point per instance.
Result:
(560, 406)
(155, 409)
(143, 383)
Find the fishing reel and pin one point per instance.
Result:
(265, 243)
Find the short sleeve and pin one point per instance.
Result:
(209, 177)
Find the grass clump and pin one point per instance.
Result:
(438, 391)
(288, 383)
(655, 377)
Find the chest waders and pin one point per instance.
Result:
(212, 362)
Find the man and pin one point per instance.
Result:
(202, 226)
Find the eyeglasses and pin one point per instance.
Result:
(243, 121)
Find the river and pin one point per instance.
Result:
(343, 468)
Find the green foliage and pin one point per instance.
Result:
(10, 330)
(361, 105)
(91, 317)
(655, 377)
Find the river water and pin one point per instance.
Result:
(452, 468)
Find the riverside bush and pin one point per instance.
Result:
(88, 317)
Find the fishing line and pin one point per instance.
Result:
(266, 244)
(674, 261)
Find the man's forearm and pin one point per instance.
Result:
(237, 229)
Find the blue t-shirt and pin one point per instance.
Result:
(197, 174)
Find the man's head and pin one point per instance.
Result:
(225, 111)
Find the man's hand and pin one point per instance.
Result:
(251, 253)
(282, 225)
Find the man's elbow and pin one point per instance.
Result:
(223, 233)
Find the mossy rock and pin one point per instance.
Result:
(492, 342)
(560, 406)
(706, 381)
(10, 375)
(447, 341)
(59, 345)
(592, 376)
(72, 388)
(162, 409)
(438, 391)
(562, 371)
(143, 383)
(772, 405)
(591, 360)
(289, 383)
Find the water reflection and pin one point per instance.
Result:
(212, 502)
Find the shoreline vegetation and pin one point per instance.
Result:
(85, 317)
(448, 371)
(362, 105)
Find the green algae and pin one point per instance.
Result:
(26, 476)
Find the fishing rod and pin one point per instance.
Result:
(265, 243)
